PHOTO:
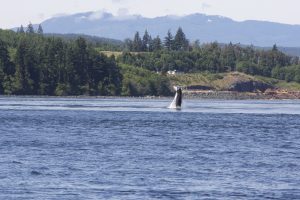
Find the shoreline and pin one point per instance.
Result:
(234, 95)
(194, 95)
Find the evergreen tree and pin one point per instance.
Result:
(5, 63)
(23, 83)
(21, 29)
(146, 41)
(53, 73)
(228, 57)
(7, 69)
(180, 41)
(137, 42)
(196, 45)
(78, 58)
(168, 43)
(274, 48)
(30, 29)
(156, 44)
(40, 30)
(128, 44)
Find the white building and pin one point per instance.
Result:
(174, 72)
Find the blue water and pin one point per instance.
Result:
(55, 148)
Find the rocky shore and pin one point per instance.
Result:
(234, 95)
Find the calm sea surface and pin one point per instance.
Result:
(58, 148)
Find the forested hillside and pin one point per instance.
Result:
(32, 63)
(102, 44)
(178, 53)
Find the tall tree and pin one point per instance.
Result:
(229, 57)
(40, 30)
(30, 29)
(180, 41)
(156, 44)
(168, 42)
(146, 41)
(79, 62)
(137, 42)
(21, 29)
(128, 44)
(196, 45)
(5, 63)
(274, 48)
(23, 83)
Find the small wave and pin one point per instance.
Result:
(17, 162)
(35, 173)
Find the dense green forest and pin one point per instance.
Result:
(177, 53)
(101, 44)
(32, 63)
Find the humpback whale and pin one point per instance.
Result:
(177, 101)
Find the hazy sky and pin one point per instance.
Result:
(16, 12)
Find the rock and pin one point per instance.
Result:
(249, 86)
(199, 87)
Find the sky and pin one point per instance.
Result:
(13, 13)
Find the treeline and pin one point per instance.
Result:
(32, 64)
(49, 66)
(149, 44)
(179, 54)
(101, 44)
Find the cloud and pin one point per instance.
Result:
(96, 15)
(205, 6)
(123, 12)
(116, 1)
(41, 16)
(59, 15)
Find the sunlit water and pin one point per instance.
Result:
(55, 148)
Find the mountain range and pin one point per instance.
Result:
(206, 28)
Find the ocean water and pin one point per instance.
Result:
(60, 148)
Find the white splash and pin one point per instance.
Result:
(173, 104)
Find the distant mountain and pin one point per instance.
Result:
(196, 26)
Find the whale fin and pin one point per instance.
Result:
(177, 101)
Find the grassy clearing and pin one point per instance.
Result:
(218, 81)
(222, 81)
(191, 79)
(111, 53)
(117, 53)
